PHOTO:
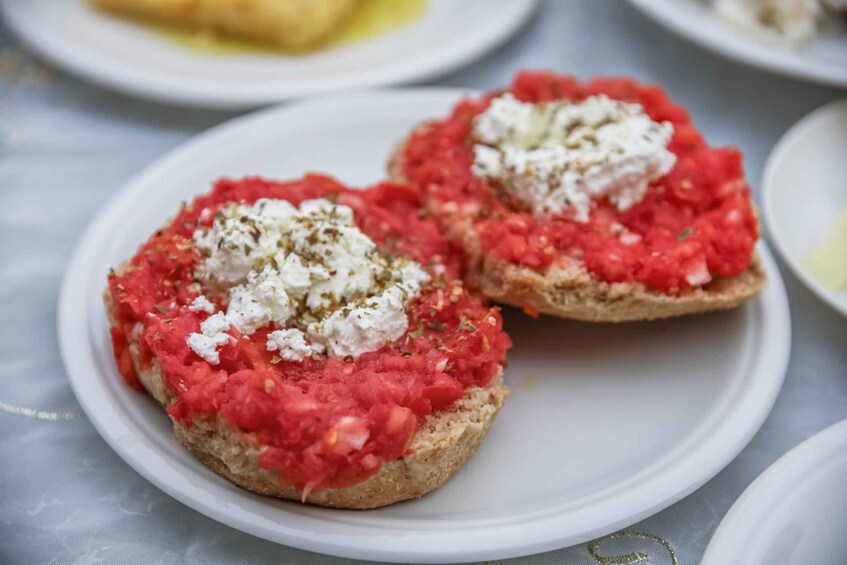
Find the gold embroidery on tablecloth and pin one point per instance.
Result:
(37, 414)
(19, 67)
(629, 558)
(18, 64)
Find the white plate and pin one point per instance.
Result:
(822, 60)
(134, 60)
(805, 188)
(794, 513)
(607, 424)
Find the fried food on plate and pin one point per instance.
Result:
(281, 23)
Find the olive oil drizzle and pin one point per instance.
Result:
(371, 19)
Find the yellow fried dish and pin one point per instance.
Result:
(279, 23)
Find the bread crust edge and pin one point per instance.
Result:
(446, 441)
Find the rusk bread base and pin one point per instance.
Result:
(438, 450)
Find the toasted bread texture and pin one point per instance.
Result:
(438, 450)
(569, 291)
(280, 23)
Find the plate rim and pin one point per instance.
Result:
(779, 152)
(749, 53)
(732, 435)
(100, 69)
(791, 464)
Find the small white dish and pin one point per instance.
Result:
(794, 513)
(822, 60)
(135, 60)
(805, 188)
(606, 424)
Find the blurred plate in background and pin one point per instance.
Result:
(137, 60)
(794, 513)
(822, 60)
(805, 194)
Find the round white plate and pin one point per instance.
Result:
(606, 425)
(805, 189)
(822, 60)
(134, 60)
(794, 513)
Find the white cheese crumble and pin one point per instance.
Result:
(698, 275)
(213, 335)
(259, 301)
(353, 431)
(290, 343)
(353, 330)
(310, 273)
(202, 304)
(559, 156)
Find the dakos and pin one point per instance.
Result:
(597, 201)
(310, 341)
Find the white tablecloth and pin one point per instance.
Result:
(66, 147)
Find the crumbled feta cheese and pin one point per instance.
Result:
(214, 325)
(699, 275)
(298, 275)
(306, 268)
(353, 331)
(353, 431)
(558, 156)
(242, 238)
(291, 344)
(259, 301)
(412, 277)
(212, 336)
(350, 257)
(202, 304)
(373, 322)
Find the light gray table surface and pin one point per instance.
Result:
(67, 146)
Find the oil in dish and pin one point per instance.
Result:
(291, 27)
(827, 263)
